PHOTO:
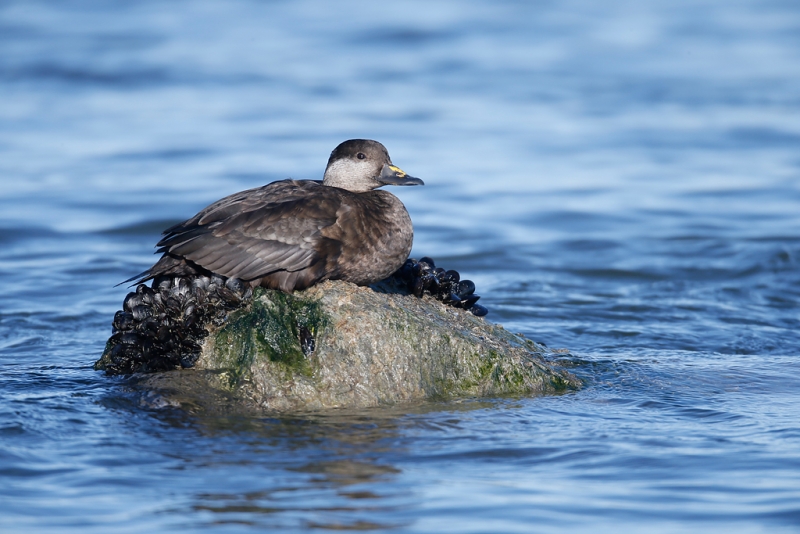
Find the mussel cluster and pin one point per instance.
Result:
(423, 277)
(161, 327)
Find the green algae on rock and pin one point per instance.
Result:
(338, 345)
(272, 328)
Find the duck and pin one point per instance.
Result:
(291, 234)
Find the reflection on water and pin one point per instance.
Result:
(325, 466)
(620, 179)
(329, 491)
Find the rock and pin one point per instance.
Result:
(338, 345)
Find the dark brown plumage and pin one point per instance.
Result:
(292, 234)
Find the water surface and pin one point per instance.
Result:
(622, 180)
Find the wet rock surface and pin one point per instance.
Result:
(333, 345)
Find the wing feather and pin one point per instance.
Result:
(253, 233)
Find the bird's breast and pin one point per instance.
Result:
(376, 235)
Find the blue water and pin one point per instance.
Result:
(621, 179)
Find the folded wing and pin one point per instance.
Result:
(257, 232)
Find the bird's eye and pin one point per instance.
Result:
(360, 155)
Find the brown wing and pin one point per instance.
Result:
(260, 231)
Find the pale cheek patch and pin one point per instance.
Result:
(349, 174)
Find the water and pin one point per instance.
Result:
(621, 179)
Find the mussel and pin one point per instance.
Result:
(423, 277)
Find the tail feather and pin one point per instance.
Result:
(167, 265)
(142, 277)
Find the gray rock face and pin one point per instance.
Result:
(338, 345)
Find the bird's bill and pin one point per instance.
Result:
(391, 175)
